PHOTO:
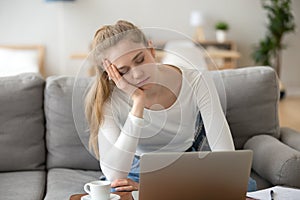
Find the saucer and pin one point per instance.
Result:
(112, 197)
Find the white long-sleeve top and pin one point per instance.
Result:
(123, 135)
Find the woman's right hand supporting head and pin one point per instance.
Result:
(136, 94)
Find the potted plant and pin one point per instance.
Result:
(280, 21)
(221, 29)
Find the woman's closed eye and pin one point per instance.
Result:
(140, 60)
(123, 70)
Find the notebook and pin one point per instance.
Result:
(195, 175)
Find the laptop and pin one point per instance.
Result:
(195, 175)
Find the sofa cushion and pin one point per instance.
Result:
(62, 183)
(64, 137)
(22, 185)
(274, 160)
(252, 96)
(22, 145)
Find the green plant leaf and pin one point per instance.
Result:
(221, 25)
(280, 22)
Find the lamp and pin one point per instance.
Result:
(197, 20)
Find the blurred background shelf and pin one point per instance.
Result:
(224, 55)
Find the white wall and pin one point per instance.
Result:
(68, 28)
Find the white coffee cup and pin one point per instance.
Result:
(98, 190)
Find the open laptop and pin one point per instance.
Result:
(195, 175)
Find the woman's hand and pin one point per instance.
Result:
(121, 83)
(125, 185)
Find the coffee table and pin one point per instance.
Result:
(123, 195)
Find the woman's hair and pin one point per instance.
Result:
(100, 91)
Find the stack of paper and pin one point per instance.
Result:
(279, 193)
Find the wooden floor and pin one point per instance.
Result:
(289, 112)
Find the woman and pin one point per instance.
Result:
(137, 106)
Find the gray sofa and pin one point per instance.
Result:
(42, 132)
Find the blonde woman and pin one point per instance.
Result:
(137, 106)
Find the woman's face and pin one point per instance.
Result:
(134, 61)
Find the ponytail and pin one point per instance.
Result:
(94, 103)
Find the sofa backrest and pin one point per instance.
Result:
(22, 129)
(65, 125)
(252, 96)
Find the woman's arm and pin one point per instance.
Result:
(117, 145)
(216, 127)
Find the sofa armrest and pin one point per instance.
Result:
(275, 161)
(290, 137)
